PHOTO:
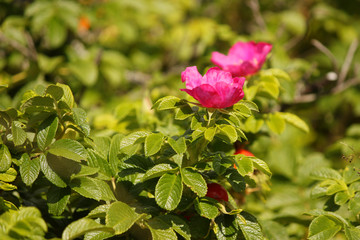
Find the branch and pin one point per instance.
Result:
(348, 59)
(255, 8)
(28, 52)
(327, 52)
(347, 84)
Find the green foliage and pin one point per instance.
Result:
(96, 135)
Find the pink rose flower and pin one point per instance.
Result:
(217, 89)
(244, 58)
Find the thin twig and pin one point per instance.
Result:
(347, 84)
(305, 98)
(327, 52)
(255, 8)
(32, 49)
(27, 52)
(348, 60)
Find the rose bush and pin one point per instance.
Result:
(97, 141)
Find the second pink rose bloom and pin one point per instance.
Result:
(243, 59)
(216, 89)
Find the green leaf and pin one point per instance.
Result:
(352, 233)
(8, 176)
(177, 224)
(57, 199)
(55, 91)
(132, 139)
(207, 207)
(29, 169)
(244, 165)
(354, 204)
(168, 191)
(183, 112)
(114, 152)
(92, 188)
(269, 86)
(243, 110)
(179, 145)
(334, 186)
(249, 226)
(55, 33)
(23, 223)
(5, 158)
(249, 104)
(68, 97)
(160, 230)
(99, 212)
(350, 175)
(47, 132)
(276, 123)
(153, 143)
(225, 227)
(195, 123)
(19, 135)
(199, 227)
(229, 131)
(331, 215)
(49, 173)
(295, 121)
(210, 133)
(323, 228)
(274, 230)
(341, 197)
(38, 104)
(86, 71)
(271, 89)
(261, 165)
(325, 173)
(68, 148)
(168, 102)
(97, 235)
(97, 162)
(250, 92)
(278, 73)
(82, 226)
(6, 205)
(194, 181)
(253, 125)
(159, 170)
(86, 171)
(80, 119)
(121, 217)
(235, 179)
(241, 134)
(6, 186)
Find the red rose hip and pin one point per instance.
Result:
(216, 191)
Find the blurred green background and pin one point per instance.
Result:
(119, 53)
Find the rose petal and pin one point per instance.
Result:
(192, 77)
(244, 58)
(220, 59)
(215, 74)
(207, 96)
(230, 94)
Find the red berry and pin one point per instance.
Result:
(83, 24)
(216, 191)
(244, 152)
